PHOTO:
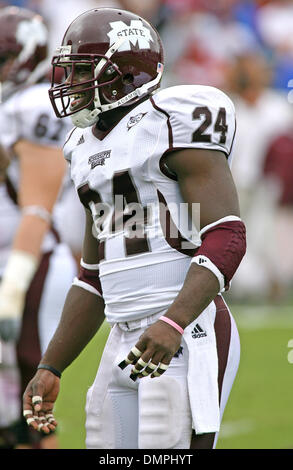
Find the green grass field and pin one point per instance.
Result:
(259, 414)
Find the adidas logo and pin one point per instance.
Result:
(202, 260)
(81, 140)
(198, 332)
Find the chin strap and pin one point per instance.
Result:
(86, 117)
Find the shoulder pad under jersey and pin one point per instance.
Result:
(199, 116)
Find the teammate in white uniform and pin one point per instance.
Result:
(4, 163)
(141, 163)
(36, 270)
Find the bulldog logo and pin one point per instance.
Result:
(135, 120)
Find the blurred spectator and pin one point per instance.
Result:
(278, 167)
(18, 3)
(262, 114)
(245, 12)
(200, 42)
(275, 22)
(32, 5)
(148, 9)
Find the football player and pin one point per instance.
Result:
(143, 160)
(36, 270)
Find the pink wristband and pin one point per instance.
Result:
(172, 323)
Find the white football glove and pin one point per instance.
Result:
(17, 277)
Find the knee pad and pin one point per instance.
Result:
(163, 414)
(114, 424)
(100, 433)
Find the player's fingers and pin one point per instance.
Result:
(162, 367)
(37, 402)
(27, 401)
(139, 367)
(51, 420)
(132, 357)
(151, 362)
(151, 367)
(43, 423)
(31, 419)
(37, 396)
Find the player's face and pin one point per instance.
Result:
(82, 73)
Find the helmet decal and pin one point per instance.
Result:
(23, 48)
(29, 34)
(63, 52)
(135, 34)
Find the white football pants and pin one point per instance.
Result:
(152, 413)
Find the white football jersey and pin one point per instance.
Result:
(145, 233)
(27, 114)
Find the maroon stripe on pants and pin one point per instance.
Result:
(223, 338)
(28, 346)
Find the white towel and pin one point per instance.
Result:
(202, 377)
(99, 388)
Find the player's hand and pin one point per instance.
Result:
(152, 354)
(39, 399)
